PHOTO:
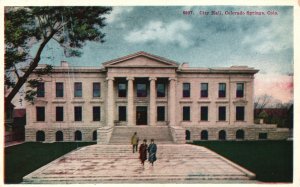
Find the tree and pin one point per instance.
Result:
(71, 27)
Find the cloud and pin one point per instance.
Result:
(272, 37)
(116, 13)
(279, 86)
(157, 31)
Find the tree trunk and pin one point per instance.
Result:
(31, 68)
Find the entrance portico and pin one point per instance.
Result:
(138, 85)
(136, 100)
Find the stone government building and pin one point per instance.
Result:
(152, 95)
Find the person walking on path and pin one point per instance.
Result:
(134, 142)
(152, 152)
(143, 151)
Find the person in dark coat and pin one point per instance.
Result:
(152, 152)
(143, 151)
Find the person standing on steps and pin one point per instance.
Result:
(134, 142)
(152, 152)
(143, 151)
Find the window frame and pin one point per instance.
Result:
(139, 92)
(222, 93)
(96, 91)
(59, 114)
(96, 114)
(240, 114)
(240, 92)
(77, 89)
(158, 93)
(204, 90)
(59, 89)
(40, 90)
(221, 116)
(40, 113)
(186, 90)
(186, 113)
(122, 92)
(77, 114)
(204, 113)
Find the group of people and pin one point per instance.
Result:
(151, 149)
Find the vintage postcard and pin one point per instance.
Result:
(139, 93)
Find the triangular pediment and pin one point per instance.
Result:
(141, 59)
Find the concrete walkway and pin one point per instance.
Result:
(117, 164)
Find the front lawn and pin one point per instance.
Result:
(271, 161)
(23, 159)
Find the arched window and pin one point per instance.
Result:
(78, 136)
(222, 135)
(240, 134)
(59, 136)
(187, 135)
(94, 135)
(40, 136)
(204, 135)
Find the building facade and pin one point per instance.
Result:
(86, 103)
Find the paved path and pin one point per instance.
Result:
(117, 164)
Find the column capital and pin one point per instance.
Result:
(152, 78)
(130, 78)
(172, 79)
(110, 78)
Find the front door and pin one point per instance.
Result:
(141, 115)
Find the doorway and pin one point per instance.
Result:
(141, 115)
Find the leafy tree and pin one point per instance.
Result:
(71, 27)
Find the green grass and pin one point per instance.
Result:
(271, 161)
(23, 159)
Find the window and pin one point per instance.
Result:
(263, 136)
(204, 113)
(122, 90)
(222, 113)
(141, 90)
(78, 113)
(59, 136)
(96, 113)
(40, 113)
(186, 90)
(160, 113)
(78, 136)
(204, 135)
(59, 89)
(186, 113)
(222, 135)
(40, 136)
(40, 89)
(240, 134)
(240, 113)
(204, 89)
(222, 89)
(96, 89)
(122, 113)
(77, 89)
(160, 91)
(59, 113)
(240, 90)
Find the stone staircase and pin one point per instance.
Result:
(122, 135)
(117, 164)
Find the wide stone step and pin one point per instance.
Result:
(116, 163)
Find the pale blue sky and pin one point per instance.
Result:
(263, 42)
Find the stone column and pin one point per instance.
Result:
(110, 102)
(130, 100)
(172, 102)
(152, 113)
